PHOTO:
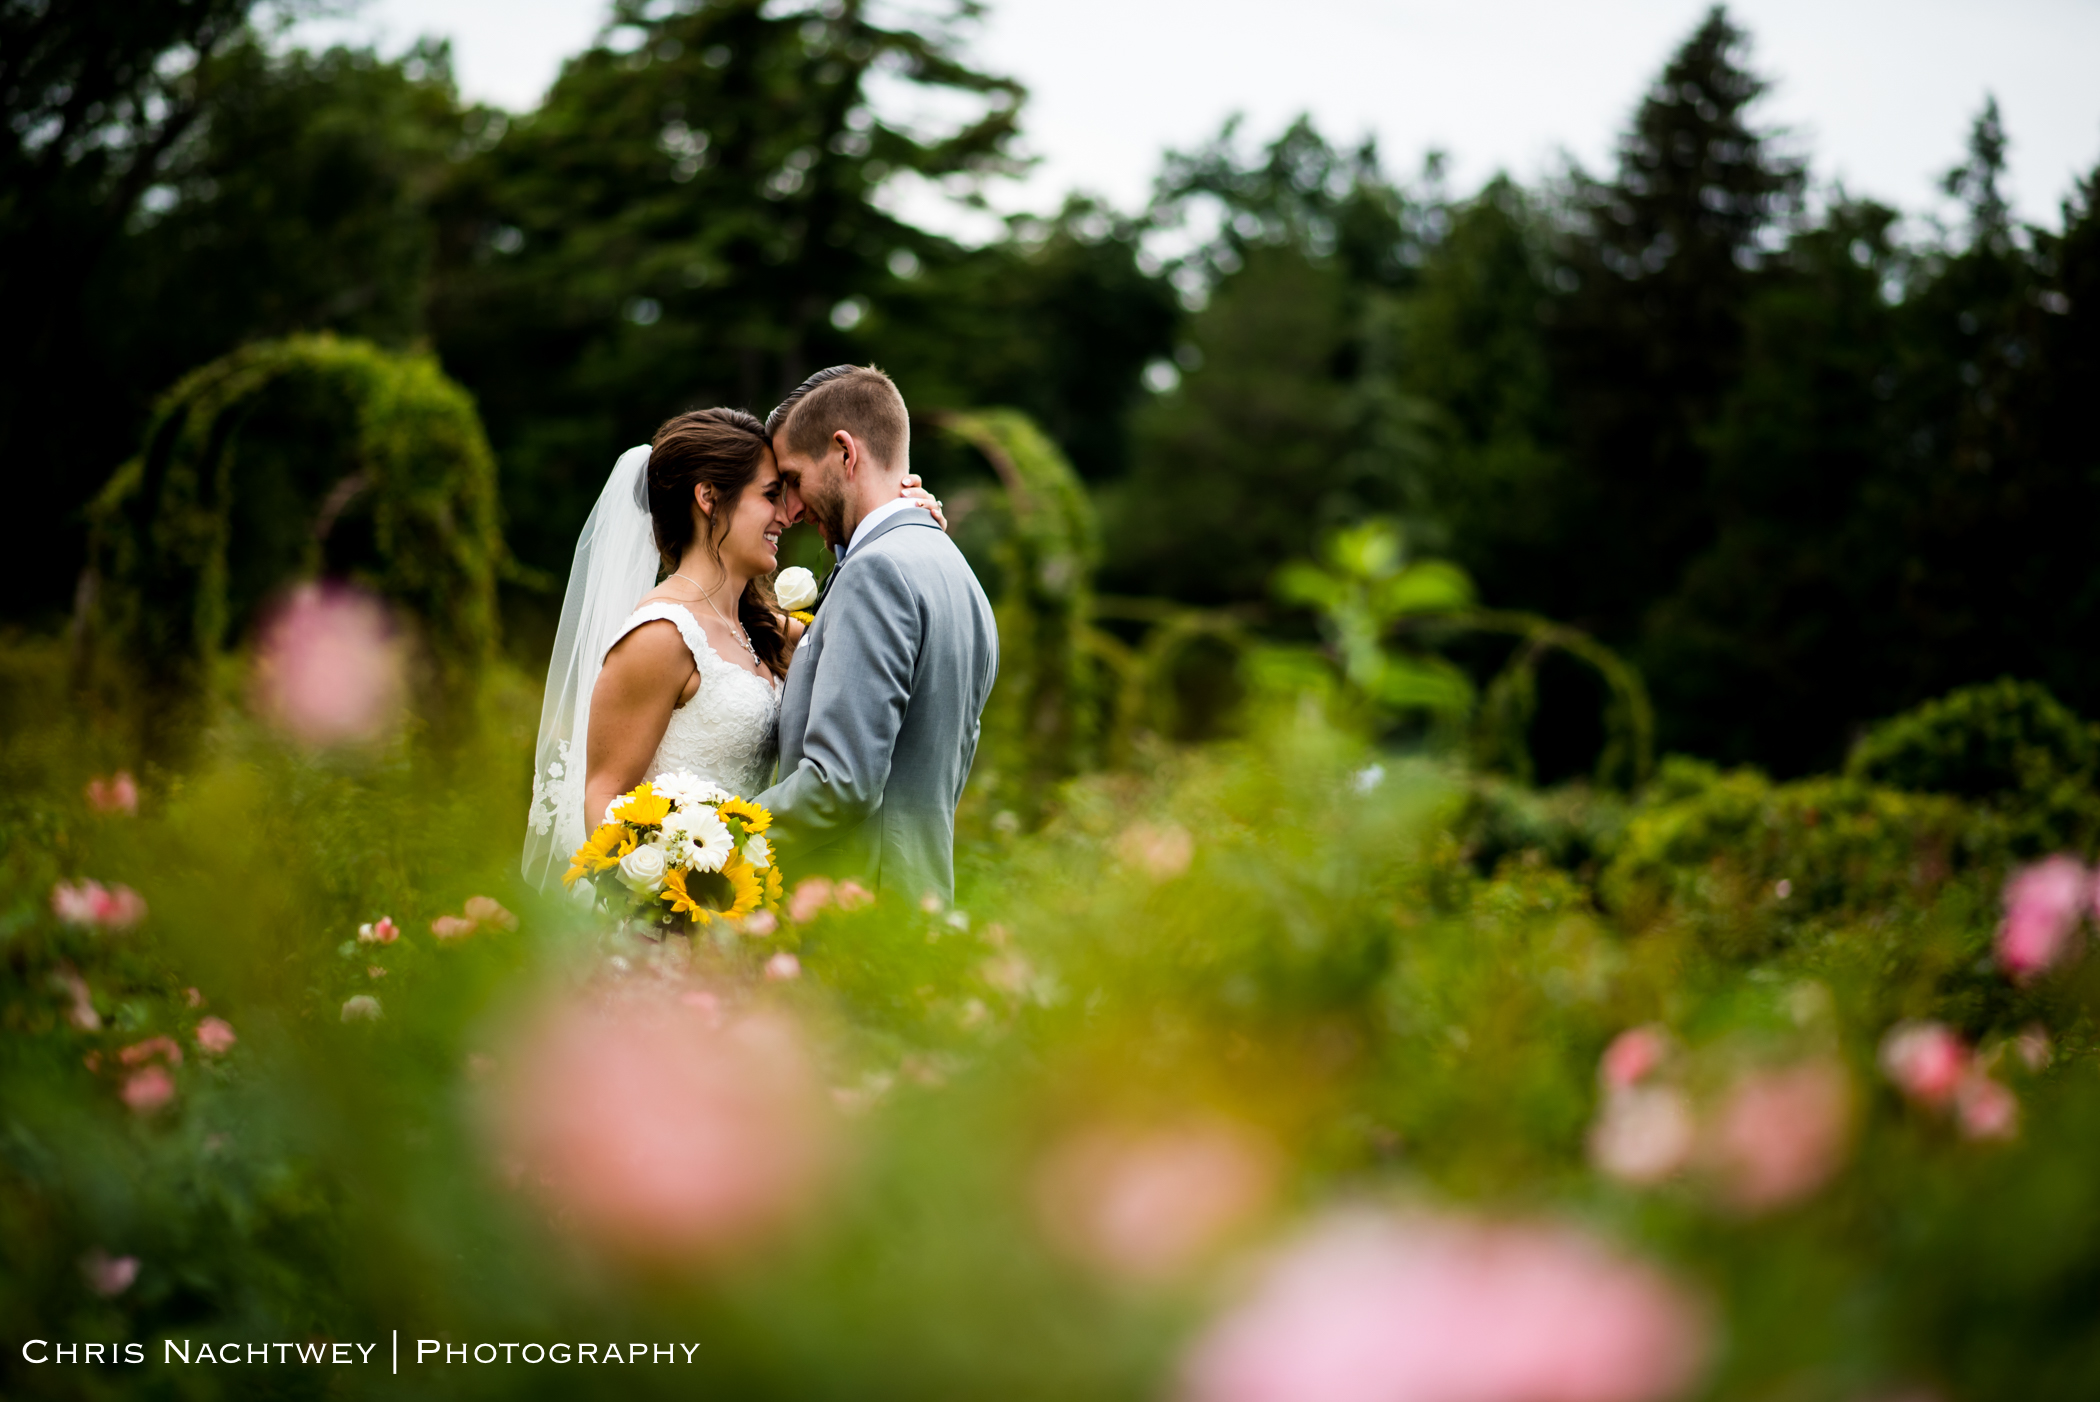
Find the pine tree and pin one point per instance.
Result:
(1663, 262)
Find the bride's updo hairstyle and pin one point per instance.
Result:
(721, 450)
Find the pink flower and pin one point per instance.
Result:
(163, 1047)
(1643, 1135)
(484, 911)
(94, 906)
(362, 1008)
(1375, 1308)
(328, 669)
(1161, 852)
(193, 997)
(119, 793)
(2032, 1046)
(452, 927)
(82, 1013)
(375, 971)
(1781, 1135)
(783, 966)
(1925, 1060)
(657, 1136)
(148, 1090)
(851, 895)
(2042, 906)
(215, 1036)
(761, 923)
(1144, 1204)
(1985, 1109)
(811, 896)
(380, 931)
(1632, 1055)
(109, 1275)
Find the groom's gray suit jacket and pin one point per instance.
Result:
(880, 720)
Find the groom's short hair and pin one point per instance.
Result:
(857, 398)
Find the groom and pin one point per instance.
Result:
(880, 719)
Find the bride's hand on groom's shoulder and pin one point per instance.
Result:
(913, 491)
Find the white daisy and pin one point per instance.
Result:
(687, 788)
(705, 841)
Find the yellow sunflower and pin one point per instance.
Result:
(773, 884)
(602, 853)
(744, 883)
(803, 616)
(756, 819)
(683, 902)
(644, 807)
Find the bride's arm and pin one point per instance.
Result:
(644, 679)
(914, 489)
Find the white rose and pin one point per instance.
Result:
(757, 852)
(642, 870)
(795, 588)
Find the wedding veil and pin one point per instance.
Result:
(615, 566)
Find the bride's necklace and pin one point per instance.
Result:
(743, 639)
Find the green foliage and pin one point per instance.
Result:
(1366, 586)
(1042, 724)
(2009, 745)
(289, 460)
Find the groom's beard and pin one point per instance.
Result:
(825, 505)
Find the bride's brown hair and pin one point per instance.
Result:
(722, 450)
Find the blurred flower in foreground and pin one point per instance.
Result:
(119, 793)
(1143, 1204)
(148, 1090)
(1935, 1068)
(1924, 1060)
(811, 896)
(1644, 1132)
(328, 668)
(97, 907)
(654, 1132)
(380, 931)
(481, 913)
(1780, 1135)
(1369, 1307)
(2043, 904)
(165, 1048)
(783, 966)
(82, 1013)
(1161, 852)
(215, 1036)
(109, 1275)
(1633, 1056)
(362, 1008)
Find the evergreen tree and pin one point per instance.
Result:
(1663, 262)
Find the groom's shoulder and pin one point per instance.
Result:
(914, 556)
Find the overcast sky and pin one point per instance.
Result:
(1880, 93)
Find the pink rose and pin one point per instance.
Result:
(1643, 1135)
(1632, 1055)
(380, 931)
(1925, 1060)
(783, 966)
(1985, 1109)
(215, 1036)
(761, 923)
(810, 897)
(2042, 905)
(484, 911)
(1780, 1135)
(97, 907)
(1144, 1204)
(119, 793)
(148, 1090)
(1371, 1307)
(851, 895)
(82, 1013)
(653, 1134)
(109, 1275)
(452, 927)
(328, 668)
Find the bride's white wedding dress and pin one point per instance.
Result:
(729, 733)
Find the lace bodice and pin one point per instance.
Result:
(729, 733)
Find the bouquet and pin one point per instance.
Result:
(679, 848)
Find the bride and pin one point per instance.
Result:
(688, 680)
